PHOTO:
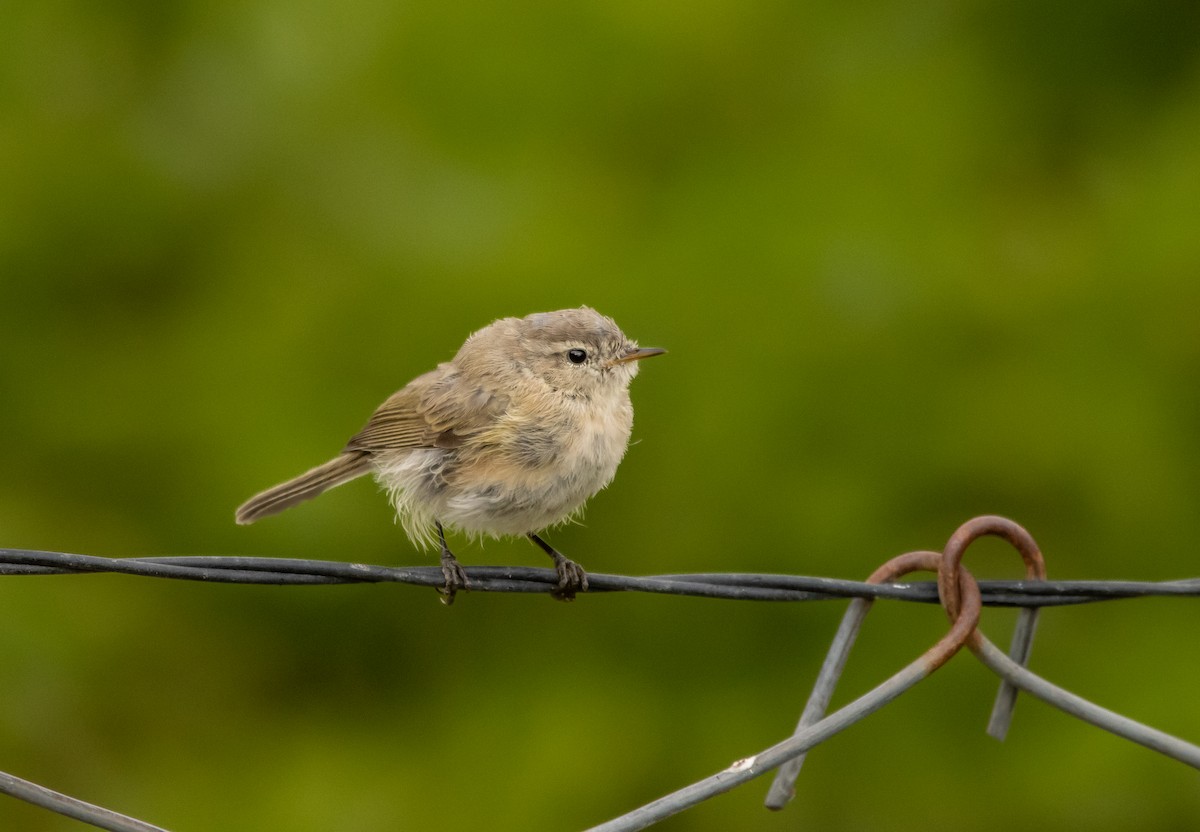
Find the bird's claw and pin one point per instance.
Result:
(571, 579)
(456, 578)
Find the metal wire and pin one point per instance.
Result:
(72, 807)
(1029, 594)
(236, 569)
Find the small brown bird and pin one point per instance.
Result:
(511, 436)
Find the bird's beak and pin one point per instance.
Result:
(638, 355)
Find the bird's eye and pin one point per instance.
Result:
(577, 356)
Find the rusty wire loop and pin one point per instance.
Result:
(1022, 640)
(956, 590)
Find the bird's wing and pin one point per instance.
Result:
(436, 410)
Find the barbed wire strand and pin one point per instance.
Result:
(239, 569)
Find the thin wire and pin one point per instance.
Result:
(236, 569)
(782, 787)
(1122, 726)
(72, 807)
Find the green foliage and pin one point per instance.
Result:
(913, 262)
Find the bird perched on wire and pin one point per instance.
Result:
(511, 436)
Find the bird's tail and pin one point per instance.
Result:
(341, 469)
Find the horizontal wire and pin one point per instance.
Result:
(236, 569)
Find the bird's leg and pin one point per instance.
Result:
(456, 577)
(571, 577)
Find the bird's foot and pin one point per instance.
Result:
(455, 575)
(571, 578)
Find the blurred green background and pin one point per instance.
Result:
(913, 262)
